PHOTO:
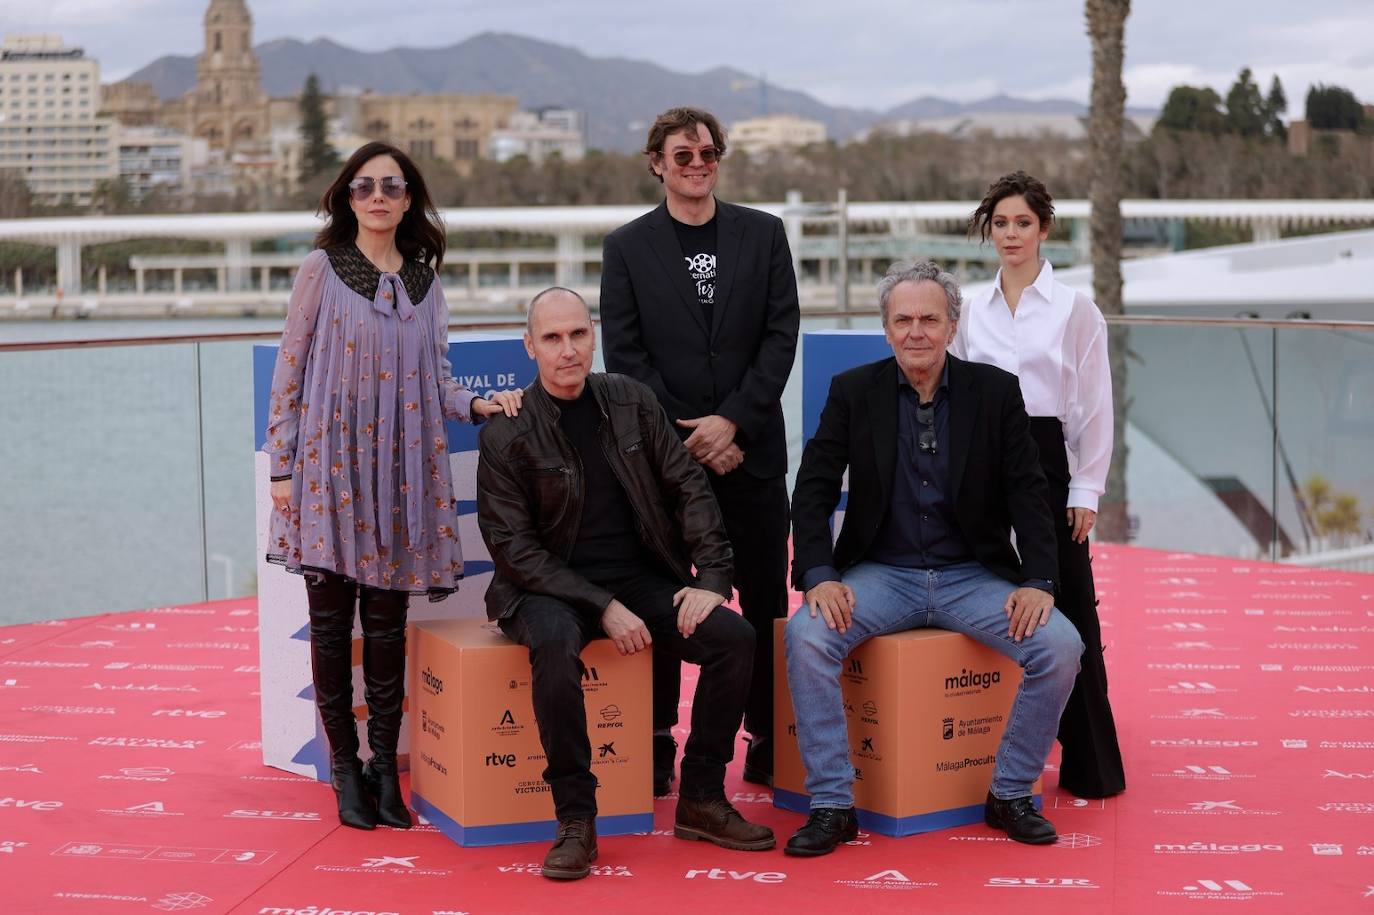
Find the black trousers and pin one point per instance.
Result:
(555, 634)
(1091, 761)
(757, 521)
(331, 597)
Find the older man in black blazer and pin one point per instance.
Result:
(942, 467)
(699, 302)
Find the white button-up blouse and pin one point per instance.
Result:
(1056, 344)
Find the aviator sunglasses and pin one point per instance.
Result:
(392, 186)
(709, 155)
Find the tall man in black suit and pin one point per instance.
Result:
(699, 302)
(942, 467)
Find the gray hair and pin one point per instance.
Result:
(916, 272)
(552, 290)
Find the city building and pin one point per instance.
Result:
(50, 129)
(537, 135)
(1005, 124)
(133, 104)
(775, 131)
(158, 160)
(228, 107)
(451, 126)
(1303, 137)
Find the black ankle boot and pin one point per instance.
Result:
(383, 783)
(356, 807)
(331, 667)
(384, 669)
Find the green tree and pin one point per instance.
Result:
(1106, 22)
(1245, 111)
(317, 156)
(1193, 108)
(1333, 108)
(114, 197)
(1275, 105)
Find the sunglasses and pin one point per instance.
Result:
(925, 415)
(392, 186)
(709, 155)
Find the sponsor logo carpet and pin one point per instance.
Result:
(136, 784)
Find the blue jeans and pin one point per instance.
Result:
(963, 598)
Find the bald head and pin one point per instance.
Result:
(554, 294)
(561, 340)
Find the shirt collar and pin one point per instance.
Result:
(1044, 282)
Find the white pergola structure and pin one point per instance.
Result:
(571, 226)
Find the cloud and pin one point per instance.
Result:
(864, 53)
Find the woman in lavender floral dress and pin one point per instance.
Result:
(359, 456)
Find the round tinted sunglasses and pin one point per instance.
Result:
(709, 154)
(392, 186)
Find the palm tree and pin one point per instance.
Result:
(1106, 20)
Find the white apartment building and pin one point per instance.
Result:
(50, 132)
(157, 159)
(540, 134)
(775, 131)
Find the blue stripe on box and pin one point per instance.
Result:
(886, 825)
(514, 833)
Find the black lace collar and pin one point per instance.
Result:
(361, 275)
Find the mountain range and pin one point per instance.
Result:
(617, 94)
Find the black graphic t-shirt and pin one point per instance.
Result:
(699, 251)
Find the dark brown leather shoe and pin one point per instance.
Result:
(1018, 818)
(714, 820)
(573, 851)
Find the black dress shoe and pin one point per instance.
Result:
(1018, 818)
(824, 829)
(758, 761)
(665, 753)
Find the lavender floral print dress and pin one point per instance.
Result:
(356, 416)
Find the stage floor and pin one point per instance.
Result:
(131, 780)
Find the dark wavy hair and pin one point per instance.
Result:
(1017, 183)
(675, 119)
(420, 236)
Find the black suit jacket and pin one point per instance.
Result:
(653, 330)
(996, 482)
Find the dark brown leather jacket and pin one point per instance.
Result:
(530, 495)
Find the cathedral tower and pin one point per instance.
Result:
(228, 106)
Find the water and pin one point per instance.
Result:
(101, 462)
(103, 451)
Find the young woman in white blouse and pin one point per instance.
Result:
(1055, 340)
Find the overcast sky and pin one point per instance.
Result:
(868, 53)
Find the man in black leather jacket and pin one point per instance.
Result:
(594, 514)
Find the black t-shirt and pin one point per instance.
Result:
(699, 251)
(608, 540)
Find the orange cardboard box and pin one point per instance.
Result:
(926, 710)
(476, 765)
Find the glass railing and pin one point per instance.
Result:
(126, 466)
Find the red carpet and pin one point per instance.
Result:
(130, 781)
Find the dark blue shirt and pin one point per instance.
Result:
(920, 530)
